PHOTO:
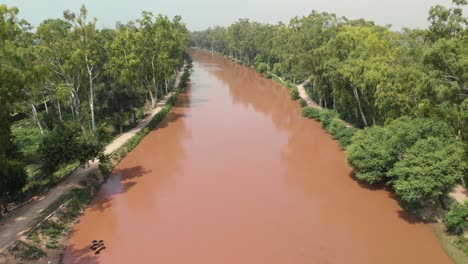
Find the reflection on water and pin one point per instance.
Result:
(235, 175)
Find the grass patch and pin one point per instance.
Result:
(452, 249)
(25, 251)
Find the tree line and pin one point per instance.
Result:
(79, 86)
(368, 73)
(407, 89)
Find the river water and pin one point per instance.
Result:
(235, 175)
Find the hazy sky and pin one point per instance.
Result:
(201, 14)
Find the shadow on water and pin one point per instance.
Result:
(119, 182)
(411, 218)
(372, 187)
(80, 256)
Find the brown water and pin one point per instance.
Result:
(235, 175)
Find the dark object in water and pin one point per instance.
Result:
(99, 251)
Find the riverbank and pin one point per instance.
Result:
(43, 237)
(453, 245)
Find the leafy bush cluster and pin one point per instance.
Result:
(302, 102)
(262, 68)
(294, 93)
(456, 219)
(66, 144)
(310, 112)
(418, 157)
(331, 123)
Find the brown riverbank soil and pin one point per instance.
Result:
(235, 175)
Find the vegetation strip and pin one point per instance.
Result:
(421, 158)
(58, 219)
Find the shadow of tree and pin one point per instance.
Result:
(372, 187)
(410, 217)
(119, 182)
(80, 256)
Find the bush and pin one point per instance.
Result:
(12, 180)
(59, 147)
(336, 125)
(368, 156)
(310, 112)
(428, 170)
(456, 219)
(262, 67)
(258, 60)
(63, 145)
(294, 93)
(326, 116)
(268, 75)
(374, 151)
(302, 102)
(277, 69)
(344, 136)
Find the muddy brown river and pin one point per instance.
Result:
(235, 175)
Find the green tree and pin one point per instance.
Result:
(456, 219)
(369, 155)
(428, 170)
(12, 174)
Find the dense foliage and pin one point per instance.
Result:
(456, 219)
(405, 86)
(368, 73)
(78, 87)
(407, 90)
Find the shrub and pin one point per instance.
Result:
(294, 93)
(59, 147)
(336, 125)
(65, 144)
(374, 151)
(367, 154)
(277, 69)
(428, 170)
(258, 60)
(344, 136)
(310, 112)
(268, 75)
(262, 67)
(326, 116)
(456, 219)
(12, 180)
(302, 102)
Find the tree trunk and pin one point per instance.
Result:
(334, 102)
(442, 203)
(3, 207)
(165, 80)
(153, 102)
(45, 104)
(91, 96)
(34, 111)
(72, 110)
(60, 111)
(356, 95)
(155, 87)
